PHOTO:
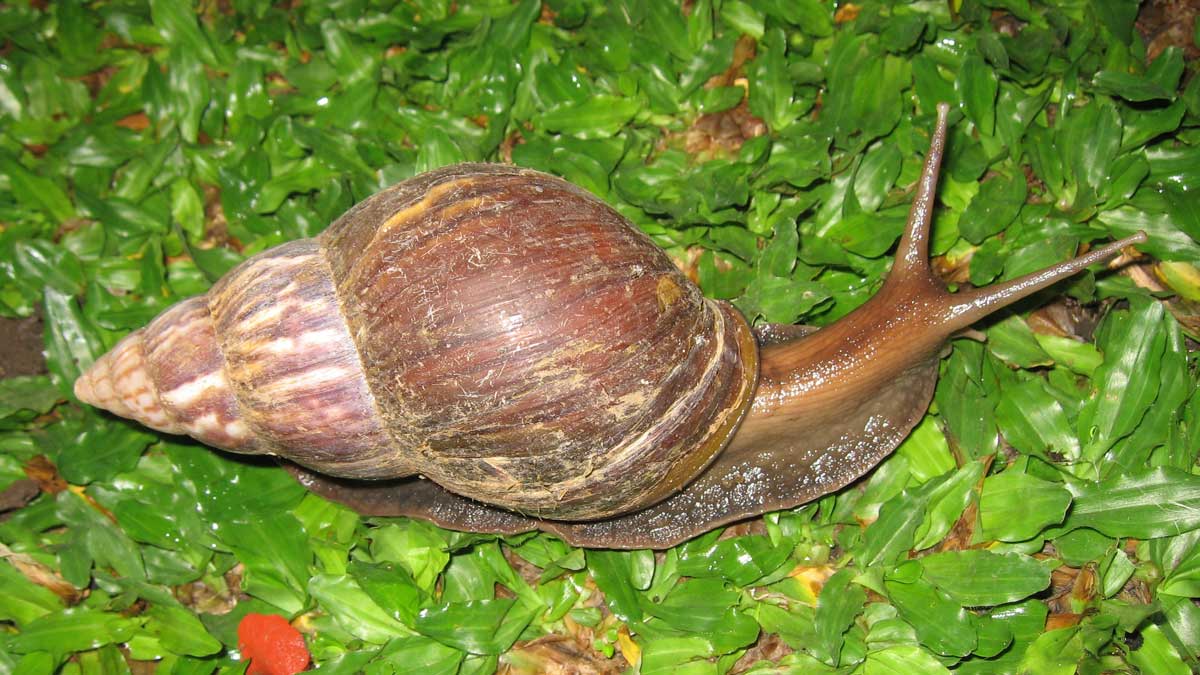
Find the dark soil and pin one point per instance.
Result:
(21, 347)
(1168, 23)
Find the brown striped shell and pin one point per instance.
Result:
(497, 330)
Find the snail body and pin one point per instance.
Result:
(496, 350)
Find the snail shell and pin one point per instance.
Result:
(495, 329)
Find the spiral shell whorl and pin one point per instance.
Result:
(261, 364)
(295, 367)
(170, 376)
(118, 382)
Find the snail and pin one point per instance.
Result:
(496, 350)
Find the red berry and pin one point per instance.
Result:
(272, 645)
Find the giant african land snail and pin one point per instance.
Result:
(515, 341)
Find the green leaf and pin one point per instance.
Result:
(599, 117)
(36, 191)
(743, 17)
(1014, 342)
(964, 402)
(741, 560)
(927, 451)
(613, 574)
(354, 610)
(1157, 655)
(186, 208)
(1130, 87)
(1166, 240)
(894, 530)
(276, 557)
(995, 206)
(176, 20)
(1055, 652)
(942, 625)
(948, 500)
(71, 343)
(908, 659)
(1015, 506)
(1127, 384)
(478, 626)
(103, 542)
(673, 655)
(72, 630)
(415, 653)
(42, 263)
(838, 605)
(1090, 140)
(414, 544)
(179, 631)
(102, 450)
(1035, 423)
(24, 601)
(977, 86)
(23, 398)
(1157, 503)
(771, 90)
(390, 585)
(981, 578)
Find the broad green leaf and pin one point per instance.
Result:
(24, 601)
(947, 502)
(942, 625)
(104, 543)
(838, 605)
(71, 342)
(697, 606)
(41, 263)
(678, 655)
(927, 451)
(101, 450)
(1055, 652)
(72, 630)
(354, 610)
(977, 87)
(179, 631)
(963, 401)
(1157, 655)
(612, 572)
(37, 191)
(893, 531)
(1012, 341)
(1127, 383)
(1166, 240)
(22, 398)
(1015, 506)
(477, 626)
(598, 117)
(414, 653)
(390, 585)
(742, 560)
(994, 208)
(978, 578)
(414, 544)
(1157, 503)
(1034, 422)
(276, 557)
(771, 90)
(908, 659)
